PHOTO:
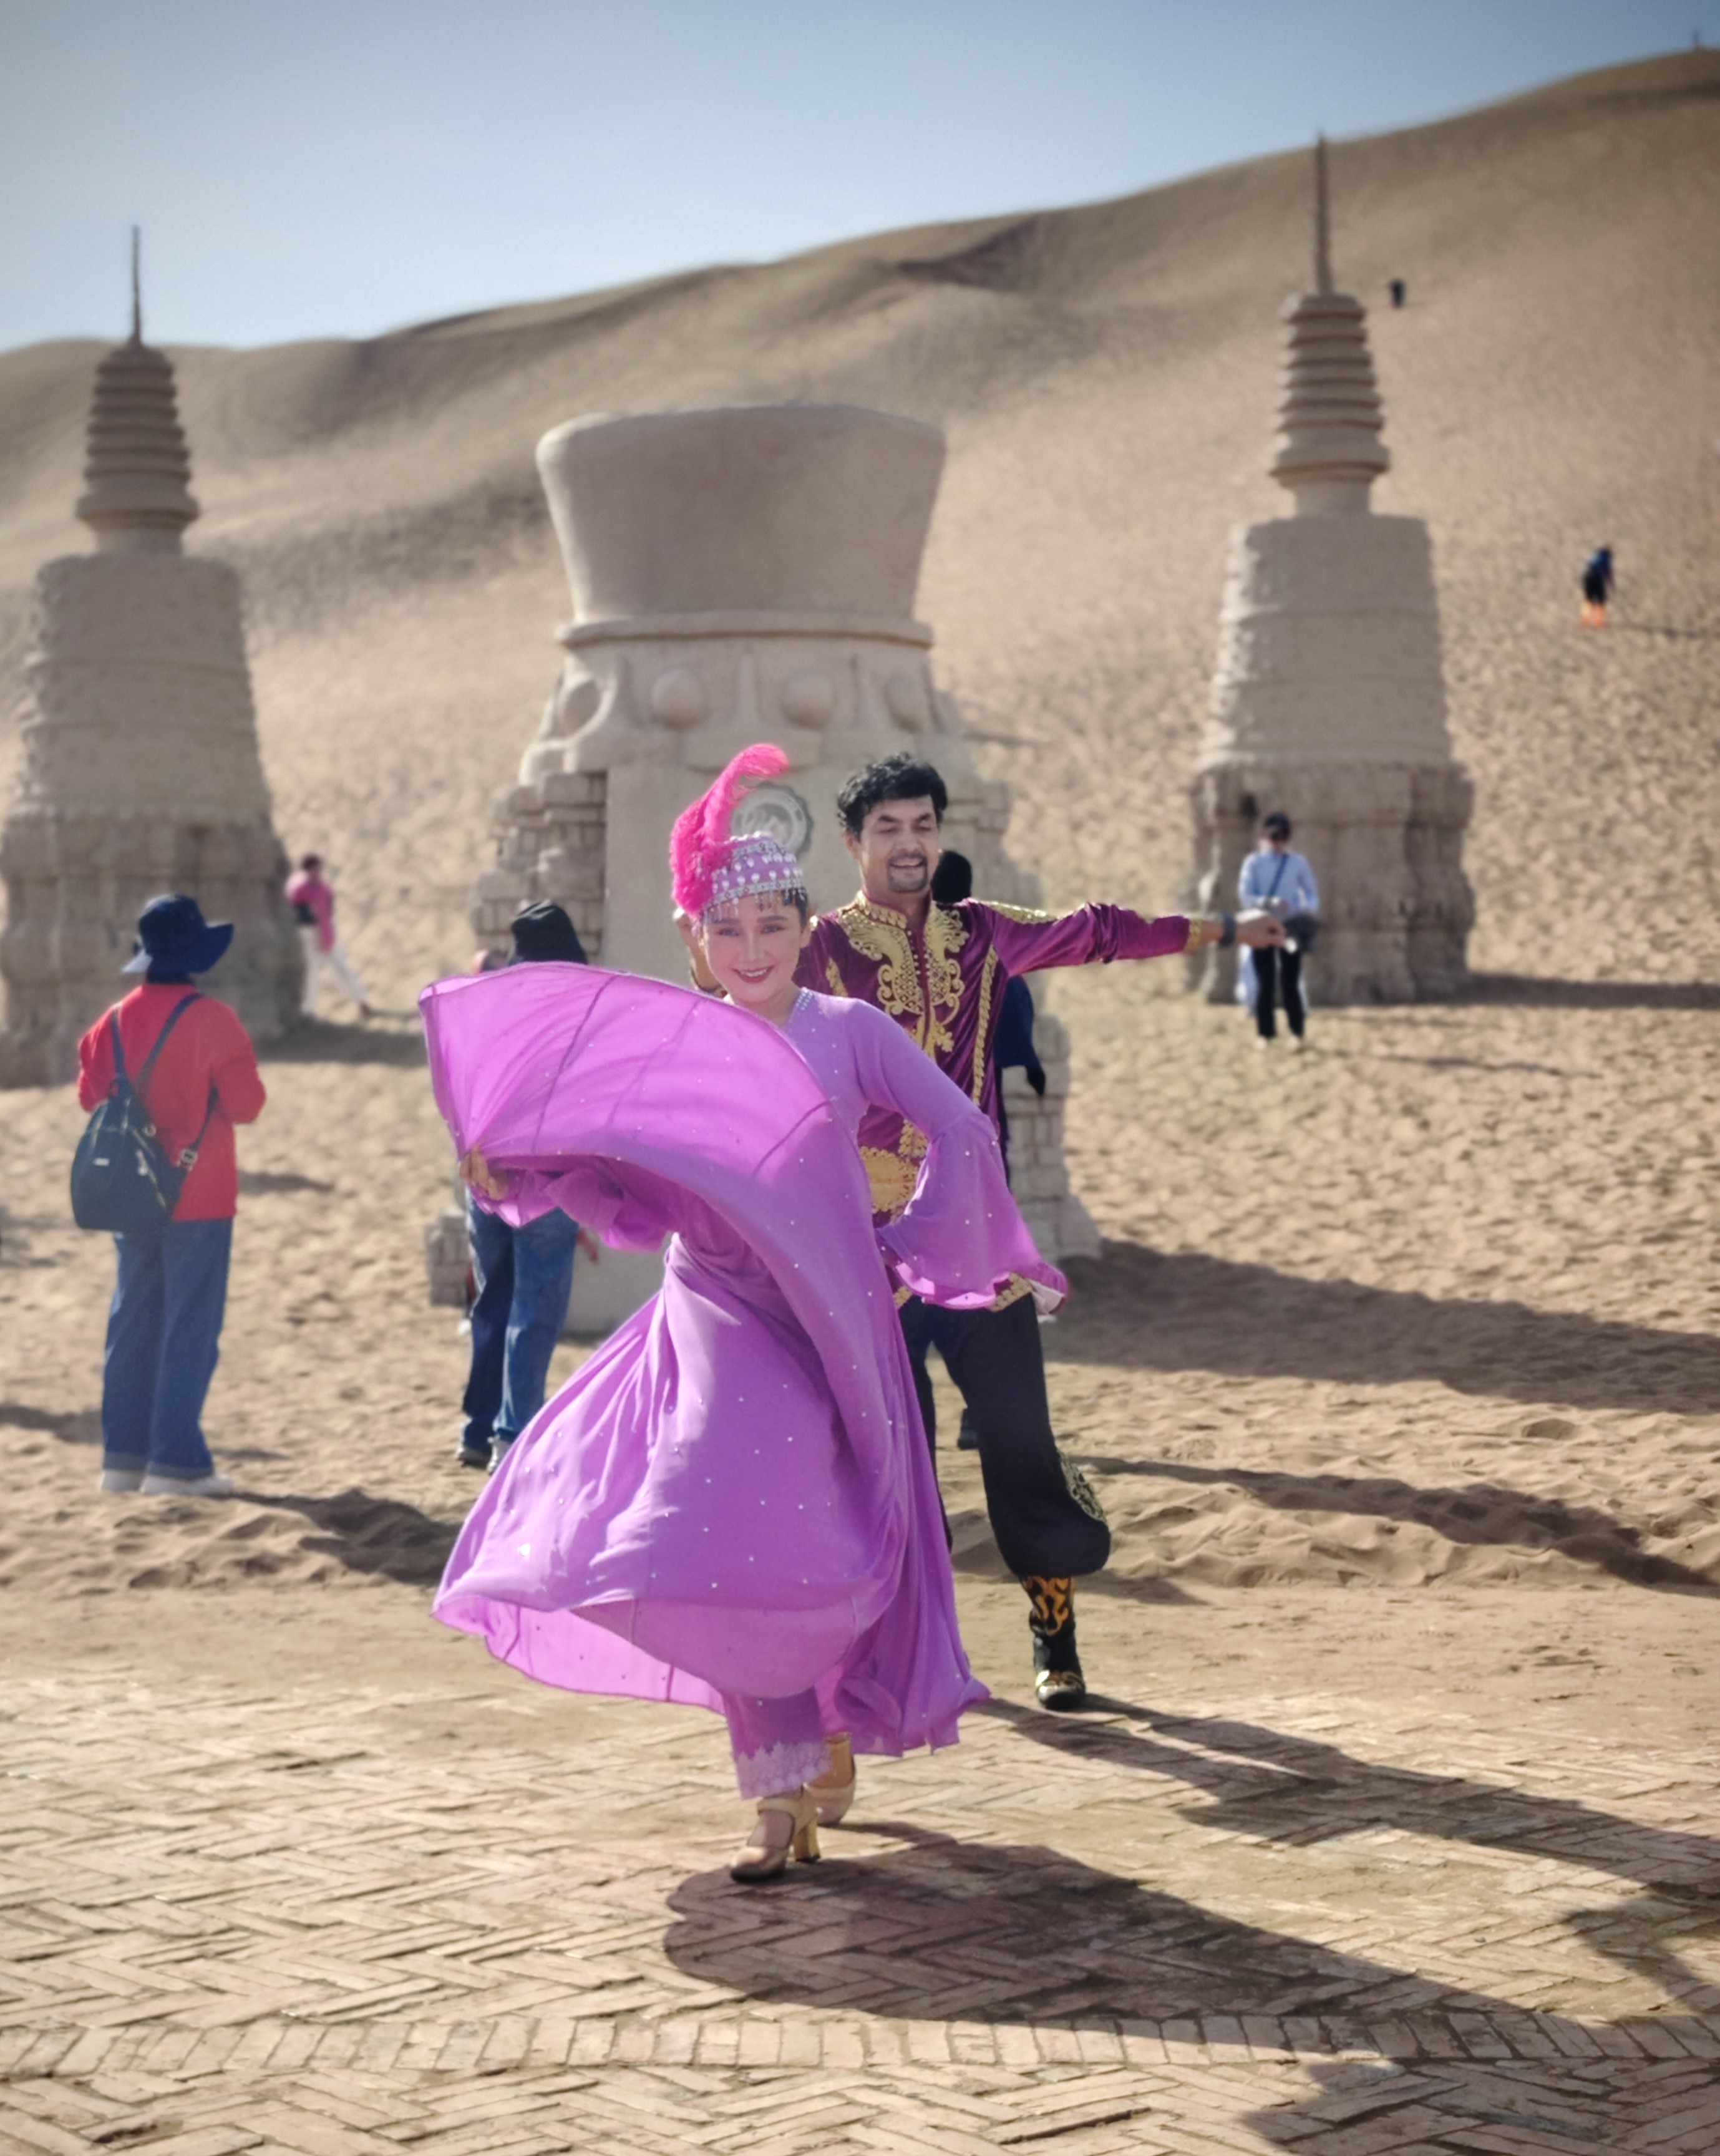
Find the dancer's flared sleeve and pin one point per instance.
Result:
(585, 1192)
(961, 1240)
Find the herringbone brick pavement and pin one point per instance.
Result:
(233, 1923)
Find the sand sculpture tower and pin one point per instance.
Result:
(141, 770)
(1328, 700)
(738, 575)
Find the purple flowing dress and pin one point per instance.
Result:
(732, 1504)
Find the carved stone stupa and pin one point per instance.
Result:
(1328, 699)
(141, 771)
(740, 575)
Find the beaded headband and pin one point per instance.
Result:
(756, 866)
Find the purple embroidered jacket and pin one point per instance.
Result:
(944, 983)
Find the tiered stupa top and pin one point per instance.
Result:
(137, 479)
(1328, 451)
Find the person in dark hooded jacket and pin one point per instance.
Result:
(524, 1275)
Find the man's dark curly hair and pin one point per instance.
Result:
(900, 777)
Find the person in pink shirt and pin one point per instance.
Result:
(164, 1326)
(312, 899)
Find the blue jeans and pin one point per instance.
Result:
(163, 1337)
(525, 1277)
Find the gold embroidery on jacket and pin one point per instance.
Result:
(833, 974)
(1032, 913)
(878, 933)
(893, 1173)
(987, 979)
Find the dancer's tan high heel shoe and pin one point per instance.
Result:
(832, 1792)
(766, 1849)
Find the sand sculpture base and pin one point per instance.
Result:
(1328, 703)
(76, 885)
(141, 775)
(1387, 843)
(741, 575)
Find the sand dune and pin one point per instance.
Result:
(1436, 1306)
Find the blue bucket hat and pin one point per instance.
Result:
(173, 936)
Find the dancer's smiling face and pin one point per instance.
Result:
(753, 947)
(897, 849)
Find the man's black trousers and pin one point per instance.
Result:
(1271, 966)
(995, 1360)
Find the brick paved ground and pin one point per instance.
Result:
(239, 1919)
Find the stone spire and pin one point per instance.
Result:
(1328, 452)
(137, 477)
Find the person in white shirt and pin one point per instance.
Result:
(1278, 881)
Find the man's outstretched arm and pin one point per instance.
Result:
(1094, 935)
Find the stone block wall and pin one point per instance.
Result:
(550, 834)
(1060, 1224)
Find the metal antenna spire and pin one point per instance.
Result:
(136, 287)
(1323, 220)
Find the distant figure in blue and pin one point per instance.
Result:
(524, 1275)
(1279, 882)
(1597, 587)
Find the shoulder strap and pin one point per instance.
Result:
(187, 1157)
(174, 1016)
(122, 1075)
(1278, 874)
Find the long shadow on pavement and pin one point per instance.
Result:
(939, 1929)
(1273, 1786)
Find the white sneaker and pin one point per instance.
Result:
(176, 1485)
(121, 1478)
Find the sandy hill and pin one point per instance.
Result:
(1106, 375)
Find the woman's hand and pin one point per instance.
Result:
(586, 1242)
(477, 1174)
(704, 980)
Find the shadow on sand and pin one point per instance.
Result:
(1484, 1514)
(80, 1426)
(371, 1534)
(316, 1040)
(1589, 995)
(1141, 1309)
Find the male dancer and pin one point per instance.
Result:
(940, 971)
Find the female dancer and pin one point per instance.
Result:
(731, 1505)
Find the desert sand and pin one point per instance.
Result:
(1401, 1363)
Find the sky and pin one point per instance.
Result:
(306, 168)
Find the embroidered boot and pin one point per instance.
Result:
(1058, 1683)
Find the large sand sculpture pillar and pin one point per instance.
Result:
(141, 770)
(739, 575)
(1328, 700)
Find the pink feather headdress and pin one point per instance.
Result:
(707, 864)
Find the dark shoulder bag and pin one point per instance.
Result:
(123, 1180)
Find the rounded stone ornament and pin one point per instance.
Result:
(809, 699)
(905, 694)
(678, 698)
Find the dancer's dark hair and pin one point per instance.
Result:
(900, 777)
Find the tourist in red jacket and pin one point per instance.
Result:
(164, 1328)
